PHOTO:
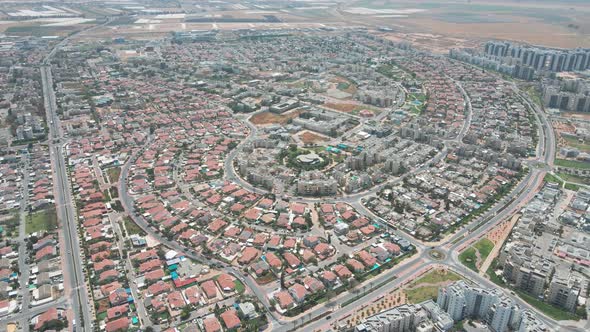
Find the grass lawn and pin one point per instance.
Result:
(45, 220)
(468, 258)
(491, 273)
(484, 246)
(572, 163)
(552, 179)
(132, 227)
(584, 147)
(546, 308)
(571, 186)
(574, 178)
(239, 287)
(429, 290)
(113, 174)
(343, 86)
(390, 71)
(101, 316)
(421, 294)
(535, 96)
(417, 96)
(437, 276)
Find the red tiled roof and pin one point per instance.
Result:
(211, 324)
(284, 298)
(230, 319)
(120, 324)
(117, 311)
(175, 300)
(209, 288)
(226, 282)
(47, 316)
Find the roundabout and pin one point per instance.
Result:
(366, 177)
(436, 255)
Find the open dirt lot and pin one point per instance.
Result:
(266, 118)
(345, 108)
(310, 138)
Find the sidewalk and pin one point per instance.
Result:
(498, 244)
(372, 282)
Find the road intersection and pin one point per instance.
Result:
(76, 288)
(523, 192)
(386, 281)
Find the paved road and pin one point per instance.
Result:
(23, 266)
(127, 203)
(81, 304)
(32, 312)
(520, 195)
(138, 300)
(524, 191)
(66, 211)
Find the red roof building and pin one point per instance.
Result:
(209, 289)
(230, 319)
(226, 282)
(50, 315)
(121, 324)
(211, 324)
(117, 311)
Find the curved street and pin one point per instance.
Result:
(450, 246)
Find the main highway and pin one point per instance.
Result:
(77, 290)
(66, 211)
(386, 281)
(450, 248)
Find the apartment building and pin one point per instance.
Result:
(565, 288)
(399, 319)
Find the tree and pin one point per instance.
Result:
(447, 204)
(283, 285)
(398, 207)
(217, 309)
(186, 313)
